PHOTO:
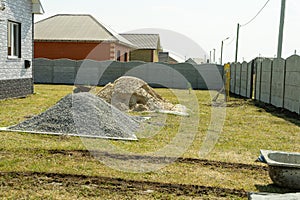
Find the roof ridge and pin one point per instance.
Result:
(61, 14)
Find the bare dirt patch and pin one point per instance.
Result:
(98, 183)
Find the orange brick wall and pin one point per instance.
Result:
(78, 50)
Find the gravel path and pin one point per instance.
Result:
(82, 114)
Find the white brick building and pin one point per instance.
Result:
(16, 46)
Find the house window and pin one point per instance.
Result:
(126, 57)
(14, 40)
(118, 55)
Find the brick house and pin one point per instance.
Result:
(16, 52)
(148, 46)
(78, 37)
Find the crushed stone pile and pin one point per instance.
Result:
(82, 114)
(133, 94)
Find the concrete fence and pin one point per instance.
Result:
(275, 81)
(89, 72)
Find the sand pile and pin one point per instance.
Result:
(133, 94)
(82, 114)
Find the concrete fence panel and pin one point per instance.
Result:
(292, 84)
(232, 77)
(244, 79)
(131, 65)
(112, 72)
(64, 71)
(249, 80)
(89, 72)
(238, 77)
(190, 73)
(273, 81)
(210, 76)
(156, 74)
(258, 69)
(278, 80)
(43, 70)
(266, 77)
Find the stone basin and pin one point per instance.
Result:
(284, 167)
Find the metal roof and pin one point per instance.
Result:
(74, 27)
(143, 41)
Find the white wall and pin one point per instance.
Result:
(19, 11)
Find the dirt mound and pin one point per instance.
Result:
(82, 114)
(133, 94)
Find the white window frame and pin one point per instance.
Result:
(13, 40)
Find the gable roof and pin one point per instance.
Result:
(73, 27)
(143, 41)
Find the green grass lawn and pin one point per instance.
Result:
(34, 166)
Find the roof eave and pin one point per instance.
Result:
(37, 7)
(92, 41)
(69, 40)
(145, 48)
(127, 45)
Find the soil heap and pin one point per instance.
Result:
(133, 94)
(82, 114)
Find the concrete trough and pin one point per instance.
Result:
(273, 196)
(284, 167)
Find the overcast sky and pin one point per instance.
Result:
(206, 22)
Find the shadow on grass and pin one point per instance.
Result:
(264, 107)
(119, 185)
(279, 112)
(151, 159)
(272, 188)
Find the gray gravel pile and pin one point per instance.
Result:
(82, 114)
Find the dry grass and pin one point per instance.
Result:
(58, 167)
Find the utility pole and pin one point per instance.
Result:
(221, 52)
(209, 56)
(222, 44)
(281, 26)
(237, 43)
(214, 55)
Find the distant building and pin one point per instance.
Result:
(16, 53)
(163, 57)
(170, 58)
(147, 46)
(196, 61)
(78, 37)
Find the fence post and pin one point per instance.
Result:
(52, 70)
(284, 83)
(227, 80)
(270, 97)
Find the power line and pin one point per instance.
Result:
(256, 14)
(233, 39)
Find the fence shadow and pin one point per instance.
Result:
(272, 188)
(279, 112)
